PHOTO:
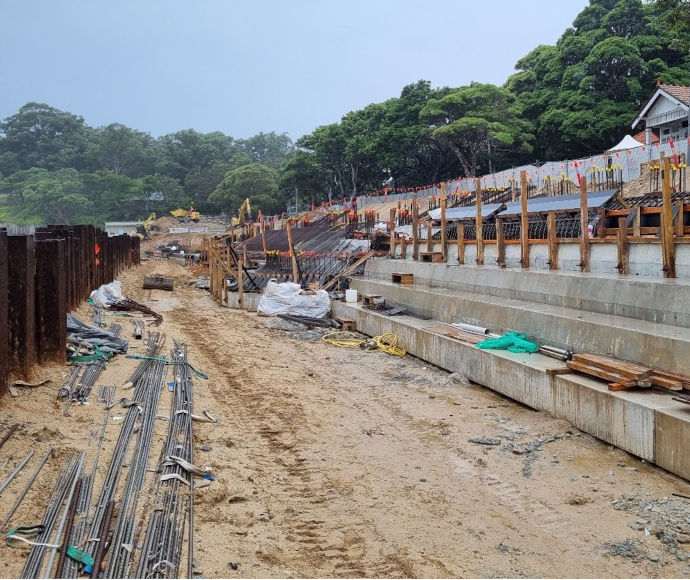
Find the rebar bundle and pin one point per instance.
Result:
(163, 543)
(133, 306)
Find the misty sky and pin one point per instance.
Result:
(245, 66)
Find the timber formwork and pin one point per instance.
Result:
(42, 277)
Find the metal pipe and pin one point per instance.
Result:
(59, 571)
(102, 533)
(9, 434)
(26, 489)
(12, 475)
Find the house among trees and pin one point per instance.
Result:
(665, 115)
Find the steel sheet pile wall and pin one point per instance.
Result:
(42, 277)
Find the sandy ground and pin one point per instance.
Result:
(332, 462)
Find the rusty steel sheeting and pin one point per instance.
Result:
(21, 309)
(51, 300)
(4, 332)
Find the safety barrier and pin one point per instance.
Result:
(42, 277)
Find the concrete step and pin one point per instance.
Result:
(660, 345)
(646, 423)
(649, 299)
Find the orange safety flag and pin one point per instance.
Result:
(97, 261)
(97, 248)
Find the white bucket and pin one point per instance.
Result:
(350, 295)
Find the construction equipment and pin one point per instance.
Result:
(186, 215)
(144, 227)
(244, 213)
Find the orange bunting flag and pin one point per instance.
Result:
(97, 248)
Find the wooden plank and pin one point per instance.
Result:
(391, 231)
(444, 234)
(461, 244)
(552, 240)
(415, 228)
(524, 222)
(622, 247)
(479, 222)
(617, 387)
(456, 333)
(665, 383)
(668, 250)
(584, 226)
(614, 365)
(500, 244)
(601, 373)
(403, 248)
(402, 278)
(429, 237)
(293, 258)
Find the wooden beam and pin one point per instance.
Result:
(524, 222)
(668, 243)
(429, 236)
(351, 268)
(391, 231)
(584, 226)
(403, 248)
(240, 282)
(553, 240)
(262, 229)
(444, 238)
(461, 243)
(479, 221)
(293, 257)
(500, 244)
(622, 247)
(415, 229)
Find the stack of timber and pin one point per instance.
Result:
(623, 374)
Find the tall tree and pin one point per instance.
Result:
(257, 182)
(41, 136)
(473, 121)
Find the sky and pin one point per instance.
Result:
(249, 66)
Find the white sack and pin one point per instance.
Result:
(285, 298)
(108, 294)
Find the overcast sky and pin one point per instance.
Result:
(245, 66)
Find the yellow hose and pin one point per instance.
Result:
(387, 342)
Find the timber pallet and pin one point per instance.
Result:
(431, 257)
(348, 324)
(402, 278)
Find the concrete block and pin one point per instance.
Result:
(625, 419)
(672, 436)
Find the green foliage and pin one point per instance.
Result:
(257, 182)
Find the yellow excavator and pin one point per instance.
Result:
(244, 213)
(185, 215)
(144, 226)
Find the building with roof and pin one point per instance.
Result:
(665, 114)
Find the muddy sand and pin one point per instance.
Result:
(332, 462)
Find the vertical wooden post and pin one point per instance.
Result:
(622, 246)
(293, 257)
(500, 244)
(679, 219)
(479, 224)
(240, 282)
(461, 243)
(584, 226)
(444, 237)
(636, 222)
(262, 230)
(668, 247)
(524, 222)
(553, 240)
(415, 229)
(429, 236)
(391, 230)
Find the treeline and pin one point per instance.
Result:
(569, 100)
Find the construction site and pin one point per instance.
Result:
(454, 381)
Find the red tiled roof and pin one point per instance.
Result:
(641, 137)
(680, 93)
